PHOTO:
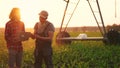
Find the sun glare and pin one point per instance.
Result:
(82, 16)
(28, 17)
(28, 12)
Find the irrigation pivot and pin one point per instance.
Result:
(108, 37)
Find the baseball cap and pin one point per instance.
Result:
(43, 14)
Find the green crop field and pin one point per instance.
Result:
(79, 54)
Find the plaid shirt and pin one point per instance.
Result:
(12, 31)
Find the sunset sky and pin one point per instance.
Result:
(82, 16)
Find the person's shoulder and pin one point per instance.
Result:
(36, 25)
(21, 22)
(51, 26)
(9, 22)
(48, 22)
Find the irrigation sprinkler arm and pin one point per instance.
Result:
(95, 17)
(64, 14)
(71, 15)
(101, 17)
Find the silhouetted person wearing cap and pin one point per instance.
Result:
(43, 32)
(13, 29)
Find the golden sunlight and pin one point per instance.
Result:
(82, 16)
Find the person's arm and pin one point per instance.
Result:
(49, 38)
(35, 31)
(7, 33)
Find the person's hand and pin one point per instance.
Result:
(32, 36)
(37, 36)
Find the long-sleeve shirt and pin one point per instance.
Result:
(12, 31)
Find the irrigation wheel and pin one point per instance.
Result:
(62, 35)
(113, 37)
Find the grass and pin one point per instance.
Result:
(85, 54)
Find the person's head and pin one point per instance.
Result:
(43, 15)
(15, 14)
